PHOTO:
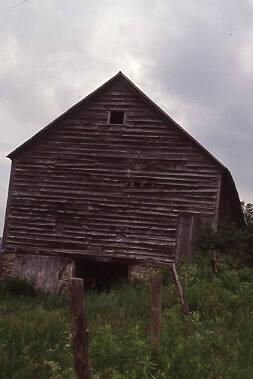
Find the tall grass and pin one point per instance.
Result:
(215, 342)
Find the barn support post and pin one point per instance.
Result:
(79, 329)
(156, 309)
(180, 291)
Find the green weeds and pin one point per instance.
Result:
(215, 342)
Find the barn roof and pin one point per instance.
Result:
(227, 175)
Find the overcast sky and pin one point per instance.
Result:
(194, 58)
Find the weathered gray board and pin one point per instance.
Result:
(189, 227)
(49, 272)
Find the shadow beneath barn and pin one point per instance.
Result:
(100, 276)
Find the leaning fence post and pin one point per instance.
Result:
(79, 330)
(156, 309)
(179, 289)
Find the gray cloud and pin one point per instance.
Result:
(194, 58)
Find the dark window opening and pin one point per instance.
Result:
(117, 117)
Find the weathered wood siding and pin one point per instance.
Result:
(48, 272)
(112, 190)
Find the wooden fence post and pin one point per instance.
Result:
(79, 328)
(156, 309)
(179, 289)
(214, 263)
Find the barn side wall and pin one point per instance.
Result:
(108, 190)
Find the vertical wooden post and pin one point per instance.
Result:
(156, 309)
(79, 328)
(180, 290)
(214, 263)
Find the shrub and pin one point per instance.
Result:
(247, 209)
(229, 239)
(17, 286)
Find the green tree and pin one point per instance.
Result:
(248, 213)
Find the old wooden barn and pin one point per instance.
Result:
(111, 184)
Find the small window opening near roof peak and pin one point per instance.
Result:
(116, 117)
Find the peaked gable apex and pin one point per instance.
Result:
(93, 95)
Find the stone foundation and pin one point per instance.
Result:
(7, 264)
(143, 273)
(51, 273)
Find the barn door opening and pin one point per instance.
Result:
(100, 276)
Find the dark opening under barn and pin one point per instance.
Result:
(100, 275)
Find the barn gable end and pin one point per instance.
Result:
(85, 187)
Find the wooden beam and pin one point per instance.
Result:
(79, 329)
(179, 289)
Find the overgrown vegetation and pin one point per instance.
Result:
(247, 209)
(229, 239)
(216, 341)
(18, 286)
